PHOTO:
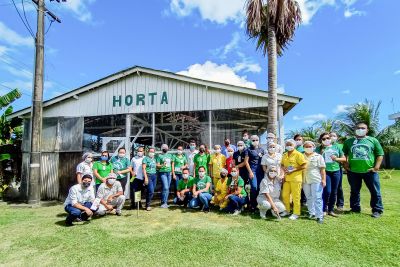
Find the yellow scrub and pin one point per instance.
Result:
(217, 162)
(221, 190)
(293, 181)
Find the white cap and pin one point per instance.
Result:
(164, 146)
(271, 135)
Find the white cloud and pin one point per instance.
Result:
(340, 109)
(247, 66)
(345, 92)
(3, 50)
(20, 84)
(79, 8)
(13, 38)
(217, 73)
(281, 89)
(310, 119)
(22, 73)
(213, 10)
(397, 72)
(310, 7)
(348, 13)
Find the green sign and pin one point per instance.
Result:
(140, 99)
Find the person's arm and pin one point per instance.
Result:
(273, 206)
(146, 179)
(133, 165)
(76, 204)
(323, 176)
(378, 153)
(79, 177)
(246, 162)
(194, 190)
(173, 170)
(378, 162)
(97, 175)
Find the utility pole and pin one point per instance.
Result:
(37, 106)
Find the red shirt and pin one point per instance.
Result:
(229, 164)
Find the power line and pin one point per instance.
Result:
(26, 20)
(19, 14)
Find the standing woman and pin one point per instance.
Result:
(179, 163)
(340, 195)
(164, 165)
(236, 193)
(217, 162)
(299, 143)
(201, 191)
(293, 164)
(85, 167)
(332, 155)
(121, 167)
(314, 181)
(272, 158)
(102, 168)
(201, 159)
(150, 176)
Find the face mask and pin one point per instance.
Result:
(254, 143)
(326, 142)
(140, 154)
(111, 181)
(271, 150)
(218, 151)
(179, 152)
(201, 174)
(234, 174)
(165, 150)
(272, 174)
(309, 150)
(85, 184)
(192, 148)
(202, 150)
(104, 158)
(299, 143)
(240, 148)
(88, 160)
(230, 153)
(185, 176)
(245, 137)
(227, 143)
(361, 132)
(289, 148)
(121, 155)
(270, 139)
(151, 154)
(223, 175)
(334, 139)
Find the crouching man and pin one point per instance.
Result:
(79, 200)
(111, 196)
(184, 189)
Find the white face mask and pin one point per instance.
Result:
(289, 148)
(271, 150)
(255, 143)
(361, 132)
(202, 174)
(326, 142)
(272, 174)
(140, 154)
(270, 139)
(151, 154)
(230, 153)
(179, 152)
(334, 139)
(309, 150)
(218, 151)
(111, 181)
(88, 160)
(240, 148)
(121, 155)
(234, 174)
(185, 176)
(299, 143)
(245, 137)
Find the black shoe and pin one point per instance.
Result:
(376, 215)
(68, 223)
(356, 211)
(206, 210)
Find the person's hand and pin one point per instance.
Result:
(275, 209)
(109, 207)
(89, 212)
(240, 196)
(119, 172)
(146, 181)
(195, 194)
(182, 197)
(103, 180)
(226, 197)
(251, 175)
(333, 157)
(323, 183)
(174, 176)
(373, 170)
(110, 198)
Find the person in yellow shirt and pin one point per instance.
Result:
(293, 164)
(221, 190)
(217, 162)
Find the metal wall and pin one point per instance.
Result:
(182, 96)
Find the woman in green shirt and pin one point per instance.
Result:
(201, 190)
(332, 155)
(150, 176)
(179, 162)
(236, 193)
(102, 168)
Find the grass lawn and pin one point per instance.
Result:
(37, 237)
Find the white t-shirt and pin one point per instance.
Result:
(268, 161)
(312, 173)
(78, 194)
(136, 164)
(271, 188)
(190, 156)
(104, 191)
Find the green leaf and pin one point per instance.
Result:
(5, 157)
(10, 97)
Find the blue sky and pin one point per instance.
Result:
(345, 50)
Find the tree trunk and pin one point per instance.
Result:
(272, 81)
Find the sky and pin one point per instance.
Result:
(344, 52)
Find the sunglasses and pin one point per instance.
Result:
(254, 140)
(326, 138)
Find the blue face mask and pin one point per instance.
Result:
(104, 158)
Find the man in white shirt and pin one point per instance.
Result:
(111, 196)
(79, 201)
(190, 156)
(137, 179)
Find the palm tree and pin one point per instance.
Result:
(328, 125)
(272, 23)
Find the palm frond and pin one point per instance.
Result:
(8, 98)
(255, 17)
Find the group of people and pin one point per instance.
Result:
(247, 175)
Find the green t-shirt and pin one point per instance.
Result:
(150, 165)
(340, 145)
(300, 149)
(179, 162)
(202, 183)
(233, 186)
(247, 143)
(165, 160)
(327, 152)
(182, 185)
(120, 164)
(362, 153)
(103, 170)
(201, 160)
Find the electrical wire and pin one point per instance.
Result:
(26, 20)
(19, 14)
(48, 28)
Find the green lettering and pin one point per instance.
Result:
(164, 98)
(152, 97)
(140, 99)
(128, 100)
(115, 101)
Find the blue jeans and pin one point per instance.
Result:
(74, 213)
(340, 195)
(178, 178)
(150, 188)
(313, 193)
(235, 203)
(254, 184)
(330, 190)
(166, 181)
(201, 199)
(371, 180)
(188, 197)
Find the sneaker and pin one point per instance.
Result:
(340, 209)
(206, 210)
(325, 213)
(331, 213)
(118, 213)
(236, 212)
(165, 206)
(293, 217)
(311, 217)
(376, 215)
(148, 208)
(284, 213)
(262, 215)
(320, 221)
